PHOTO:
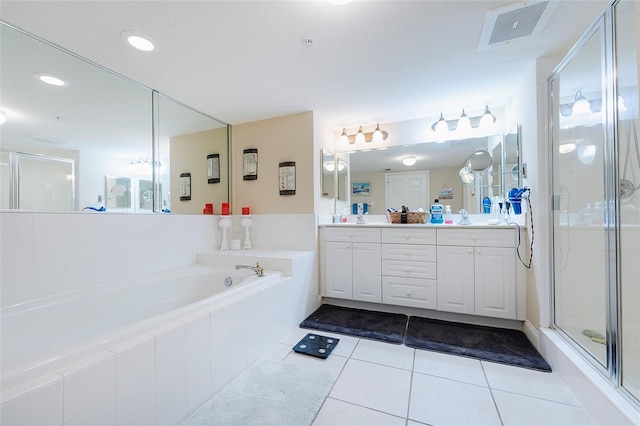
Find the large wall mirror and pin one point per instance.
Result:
(435, 173)
(99, 126)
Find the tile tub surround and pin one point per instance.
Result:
(168, 372)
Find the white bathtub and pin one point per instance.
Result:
(135, 351)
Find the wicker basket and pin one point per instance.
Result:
(412, 217)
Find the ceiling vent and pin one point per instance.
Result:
(518, 21)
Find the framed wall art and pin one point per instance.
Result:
(287, 174)
(361, 188)
(250, 164)
(185, 186)
(213, 168)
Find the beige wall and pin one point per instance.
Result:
(446, 177)
(188, 154)
(287, 138)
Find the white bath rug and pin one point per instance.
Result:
(269, 393)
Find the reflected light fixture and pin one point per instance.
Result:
(330, 166)
(50, 79)
(3, 117)
(139, 40)
(621, 106)
(409, 161)
(363, 137)
(566, 148)
(464, 122)
(586, 154)
(581, 105)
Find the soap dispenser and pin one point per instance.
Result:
(448, 217)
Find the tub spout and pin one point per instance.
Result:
(259, 270)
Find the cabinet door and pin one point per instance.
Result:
(456, 286)
(367, 274)
(336, 280)
(495, 270)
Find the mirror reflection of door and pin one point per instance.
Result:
(145, 194)
(408, 189)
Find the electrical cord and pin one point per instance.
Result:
(528, 198)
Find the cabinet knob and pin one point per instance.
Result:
(479, 250)
(469, 250)
(355, 246)
(407, 253)
(407, 270)
(408, 293)
(474, 238)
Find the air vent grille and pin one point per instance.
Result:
(517, 23)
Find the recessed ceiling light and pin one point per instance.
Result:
(139, 40)
(50, 79)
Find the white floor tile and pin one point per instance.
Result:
(452, 367)
(524, 410)
(375, 386)
(340, 413)
(294, 336)
(440, 401)
(278, 352)
(398, 356)
(528, 382)
(332, 365)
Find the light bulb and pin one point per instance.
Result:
(3, 117)
(377, 134)
(487, 119)
(360, 136)
(440, 126)
(466, 175)
(581, 105)
(464, 123)
(566, 148)
(621, 106)
(344, 139)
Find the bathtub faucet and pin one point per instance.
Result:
(259, 270)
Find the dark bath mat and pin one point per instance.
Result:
(486, 343)
(381, 326)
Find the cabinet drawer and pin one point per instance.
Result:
(477, 237)
(410, 292)
(351, 233)
(400, 268)
(408, 236)
(409, 252)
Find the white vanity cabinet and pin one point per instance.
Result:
(477, 272)
(409, 267)
(351, 263)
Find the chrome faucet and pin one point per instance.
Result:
(360, 218)
(464, 220)
(259, 270)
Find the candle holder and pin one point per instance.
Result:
(224, 223)
(246, 224)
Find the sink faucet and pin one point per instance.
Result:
(464, 220)
(259, 270)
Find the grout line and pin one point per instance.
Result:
(495, 404)
(413, 368)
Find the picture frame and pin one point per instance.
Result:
(250, 164)
(185, 186)
(213, 168)
(361, 188)
(287, 173)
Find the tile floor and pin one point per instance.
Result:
(384, 384)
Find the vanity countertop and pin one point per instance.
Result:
(419, 225)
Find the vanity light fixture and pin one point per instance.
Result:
(50, 79)
(581, 105)
(464, 122)
(139, 40)
(363, 137)
(409, 161)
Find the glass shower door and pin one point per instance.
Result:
(580, 229)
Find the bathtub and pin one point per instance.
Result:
(148, 350)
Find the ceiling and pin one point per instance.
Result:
(370, 61)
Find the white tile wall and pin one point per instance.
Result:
(157, 378)
(46, 253)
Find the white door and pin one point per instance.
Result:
(367, 272)
(408, 189)
(336, 281)
(495, 292)
(456, 288)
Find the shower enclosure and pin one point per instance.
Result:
(595, 160)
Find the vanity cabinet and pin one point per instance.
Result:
(477, 272)
(409, 267)
(351, 264)
(458, 269)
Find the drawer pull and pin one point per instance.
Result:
(469, 250)
(407, 270)
(479, 250)
(408, 293)
(407, 253)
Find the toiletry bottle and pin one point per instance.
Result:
(448, 217)
(436, 212)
